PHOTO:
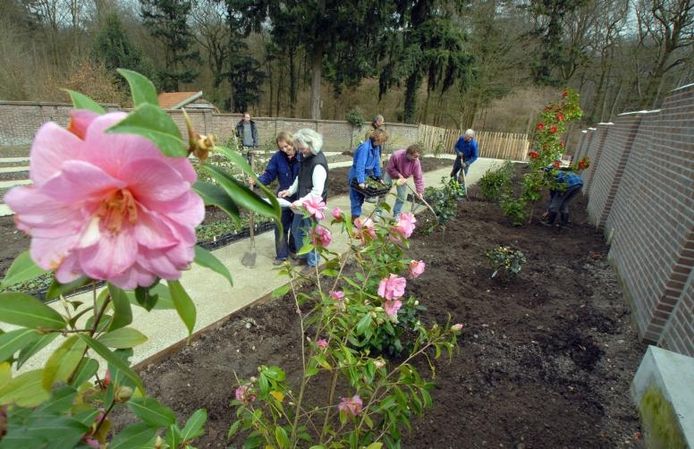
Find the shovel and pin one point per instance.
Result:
(248, 259)
(421, 199)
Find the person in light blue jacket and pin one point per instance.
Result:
(568, 184)
(366, 162)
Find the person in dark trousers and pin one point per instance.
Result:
(284, 167)
(247, 133)
(311, 184)
(366, 162)
(568, 184)
(466, 152)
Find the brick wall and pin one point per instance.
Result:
(641, 193)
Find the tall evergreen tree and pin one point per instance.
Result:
(113, 48)
(167, 21)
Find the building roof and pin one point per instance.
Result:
(176, 100)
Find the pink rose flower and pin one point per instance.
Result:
(337, 213)
(337, 295)
(322, 343)
(315, 206)
(392, 287)
(416, 268)
(105, 205)
(321, 236)
(244, 394)
(351, 406)
(391, 307)
(405, 225)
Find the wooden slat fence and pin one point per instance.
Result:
(497, 145)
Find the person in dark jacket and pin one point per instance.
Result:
(466, 152)
(311, 184)
(366, 162)
(247, 133)
(284, 167)
(568, 184)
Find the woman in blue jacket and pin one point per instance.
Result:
(568, 184)
(366, 162)
(284, 167)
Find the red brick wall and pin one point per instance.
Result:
(641, 192)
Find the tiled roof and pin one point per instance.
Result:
(175, 100)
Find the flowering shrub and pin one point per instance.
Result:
(444, 201)
(356, 310)
(506, 259)
(547, 147)
(114, 199)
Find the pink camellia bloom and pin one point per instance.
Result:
(405, 225)
(391, 307)
(321, 236)
(337, 213)
(351, 406)
(244, 394)
(337, 295)
(416, 268)
(322, 343)
(315, 206)
(366, 228)
(392, 287)
(105, 205)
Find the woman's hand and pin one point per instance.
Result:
(283, 193)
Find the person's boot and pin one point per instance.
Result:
(549, 219)
(564, 219)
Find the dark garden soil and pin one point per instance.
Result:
(544, 361)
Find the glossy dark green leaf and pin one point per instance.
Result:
(81, 101)
(184, 305)
(22, 269)
(57, 289)
(195, 426)
(141, 88)
(16, 340)
(214, 195)
(242, 195)
(113, 359)
(122, 313)
(133, 436)
(27, 311)
(152, 412)
(152, 123)
(208, 260)
(26, 353)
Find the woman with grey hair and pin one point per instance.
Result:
(312, 181)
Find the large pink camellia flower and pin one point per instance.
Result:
(105, 205)
(405, 225)
(392, 287)
(321, 236)
(416, 268)
(315, 206)
(351, 406)
(391, 307)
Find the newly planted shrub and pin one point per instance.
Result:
(506, 259)
(496, 183)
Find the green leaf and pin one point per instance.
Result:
(25, 390)
(57, 289)
(209, 260)
(26, 353)
(86, 369)
(125, 337)
(81, 101)
(235, 158)
(281, 291)
(13, 341)
(281, 437)
(242, 195)
(122, 313)
(364, 323)
(133, 436)
(214, 195)
(377, 445)
(195, 426)
(27, 311)
(63, 362)
(233, 429)
(113, 359)
(150, 122)
(152, 412)
(141, 88)
(184, 305)
(22, 269)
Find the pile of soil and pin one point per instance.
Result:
(545, 359)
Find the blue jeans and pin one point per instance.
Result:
(284, 244)
(356, 200)
(457, 165)
(301, 226)
(400, 192)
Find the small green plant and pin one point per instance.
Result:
(495, 183)
(506, 259)
(660, 422)
(444, 200)
(355, 118)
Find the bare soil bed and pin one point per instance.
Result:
(544, 361)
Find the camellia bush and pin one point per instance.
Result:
(114, 201)
(547, 147)
(356, 312)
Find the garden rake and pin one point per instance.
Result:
(414, 193)
(248, 259)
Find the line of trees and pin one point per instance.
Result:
(435, 61)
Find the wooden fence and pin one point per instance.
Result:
(497, 145)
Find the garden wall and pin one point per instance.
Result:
(641, 195)
(20, 120)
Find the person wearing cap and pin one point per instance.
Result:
(366, 162)
(311, 181)
(401, 165)
(466, 152)
(567, 185)
(284, 167)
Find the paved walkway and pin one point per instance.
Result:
(216, 299)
